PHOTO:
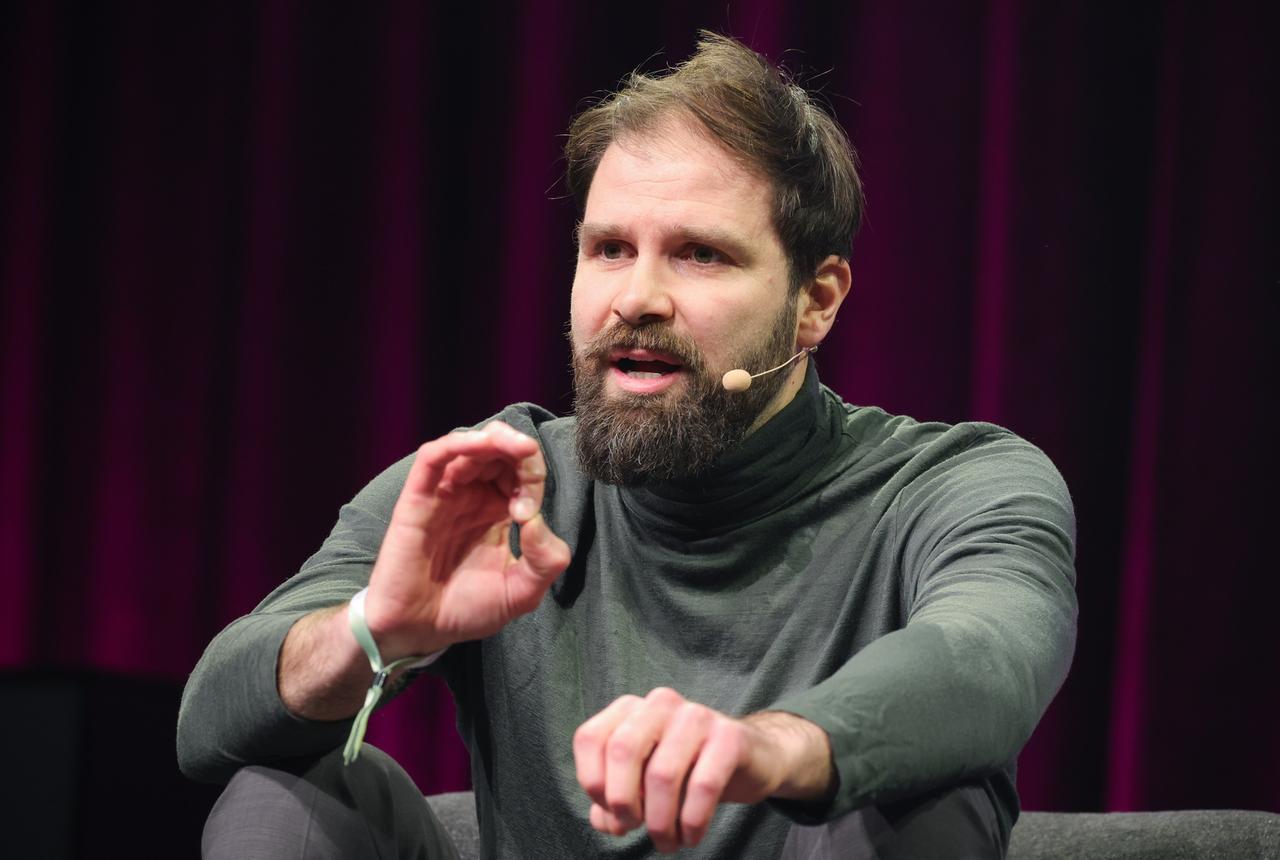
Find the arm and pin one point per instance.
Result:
(444, 574)
(987, 547)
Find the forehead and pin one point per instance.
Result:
(678, 175)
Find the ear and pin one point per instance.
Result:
(819, 300)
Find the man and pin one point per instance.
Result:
(760, 622)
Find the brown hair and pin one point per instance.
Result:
(759, 114)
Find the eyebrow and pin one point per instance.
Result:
(712, 236)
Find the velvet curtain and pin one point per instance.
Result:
(252, 253)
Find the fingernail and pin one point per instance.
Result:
(525, 509)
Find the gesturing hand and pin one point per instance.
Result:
(665, 762)
(445, 572)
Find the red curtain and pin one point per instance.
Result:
(252, 253)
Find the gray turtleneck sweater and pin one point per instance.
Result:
(909, 587)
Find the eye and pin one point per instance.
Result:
(705, 255)
(610, 250)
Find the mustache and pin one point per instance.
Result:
(653, 337)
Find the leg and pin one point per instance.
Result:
(958, 823)
(317, 808)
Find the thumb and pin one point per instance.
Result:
(543, 557)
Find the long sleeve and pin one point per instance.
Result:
(986, 549)
(231, 714)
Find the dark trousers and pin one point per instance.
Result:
(320, 809)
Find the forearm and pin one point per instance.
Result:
(322, 673)
(922, 708)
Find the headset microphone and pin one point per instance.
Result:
(739, 380)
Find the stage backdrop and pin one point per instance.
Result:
(251, 253)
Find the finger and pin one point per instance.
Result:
(628, 749)
(668, 767)
(605, 821)
(712, 772)
(526, 490)
(517, 445)
(501, 441)
(429, 462)
(473, 469)
(542, 551)
(543, 557)
(589, 743)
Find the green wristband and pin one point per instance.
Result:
(359, 629)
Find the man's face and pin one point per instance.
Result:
(680, 277)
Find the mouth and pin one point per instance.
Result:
(642, 371)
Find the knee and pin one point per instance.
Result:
(956, 822)
(304, 807)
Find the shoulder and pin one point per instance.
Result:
(953, 469)
(555, 435)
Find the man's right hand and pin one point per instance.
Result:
(445, 572)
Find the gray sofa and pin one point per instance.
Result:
(1223, 834)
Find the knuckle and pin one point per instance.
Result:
(533, 466)
(664, 695)
(703, 788)
(587, 735)
(730, 734)
(693, 713)
(661, 776)
(620, 748)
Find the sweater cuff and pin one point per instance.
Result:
(232, 714)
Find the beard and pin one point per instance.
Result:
(629, 439)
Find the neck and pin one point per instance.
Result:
(794, 438)
(795, 381)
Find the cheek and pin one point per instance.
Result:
(584, 312)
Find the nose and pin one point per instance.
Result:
(643, 299)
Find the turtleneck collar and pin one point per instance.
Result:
(760, 475)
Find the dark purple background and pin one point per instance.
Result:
(252, 253)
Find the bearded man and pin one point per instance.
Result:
(749, 623)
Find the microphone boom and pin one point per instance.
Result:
(739, 380)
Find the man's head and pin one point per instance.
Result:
(718, 205)
(763, 120)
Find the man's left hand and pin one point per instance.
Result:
(665, 762)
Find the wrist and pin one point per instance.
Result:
(394, 638)
(803, 752)
(376, 649)
(382, 672)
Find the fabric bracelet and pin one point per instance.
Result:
(359, 629)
